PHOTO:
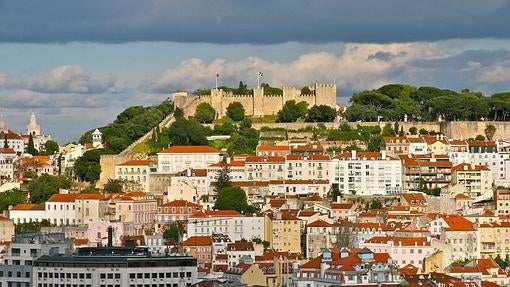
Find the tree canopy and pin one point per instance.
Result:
(43, 187)
(394, 102)
(322, 113)
(205, 113)
(87, 167)
(292, 111)
(235, 111)
(233, 198)
(187, 132)
(11, 197)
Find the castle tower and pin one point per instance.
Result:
(258, 101)
(2, 122)
(33, 127)
(97, 139)
(325, 94)
(217, 102)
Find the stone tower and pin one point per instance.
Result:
(97, 139)
(2, 122)
(33, 127)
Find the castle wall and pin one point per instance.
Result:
(272, 104)
(258, 102)
(326, 94)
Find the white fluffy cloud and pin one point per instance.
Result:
(62, 79)
(358, 66)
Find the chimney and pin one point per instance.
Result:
(110, 236)
(188, 172)
(383, 154)
(353, 154)
(437, 136)
(473, 166)
(442, 136)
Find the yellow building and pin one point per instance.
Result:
(135, 171)
(283, 231)
(476, 178)
(503, 201)
(495, 239)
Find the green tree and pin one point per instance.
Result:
(235, 111)
(187, 132)
(292, 111)
(502, 263)
(172, 233)
(87, 167)
(376, 204)
(43, 187)
(490, 130)
(113, 186)
(232, 198)
(223, 179)
(358, 112)
(31, 148)
(480, 138)
(11, 197)
(334, 192)
(322, 113)
(50, 147)
(413, 130)
(31, 227)
(388, 130)
(205, 113)
(6, 144)
(423, 132)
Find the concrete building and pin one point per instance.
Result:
(90, 208)
(502, 197)
(114, 266)
(283, 231)
(17, 267)
(366, 173)
(476, 178)
(7, 158)
(6, 229)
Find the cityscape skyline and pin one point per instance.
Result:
(78, 69)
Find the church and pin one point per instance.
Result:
(19, 142)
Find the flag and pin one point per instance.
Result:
(260, 74)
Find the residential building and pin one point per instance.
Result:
(459, 151)
(61, 209)
(176, 210)
(437, 145)
(343, 211)
(260, 168)
(7, 158)
(199, 247)
(6, 229)
(403, 250)
(299, 187)
(190, 185)
(486, 153)
(321, 234)
(476, 178)
(307, 166)
(348, 267)
(135, 171)
(178, 158)
(429, 172)
(502, 197)
(366, 173)
(395, 146)
(14, 140)
(27, 212)
(272, 150)
(283, 231)
(138, 207)
(495, 239)
(90, 207)
(238, 250)
(415, 201)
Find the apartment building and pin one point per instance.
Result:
(283, 231)
(178, 158)
(136, 171)
(423, 171)
(366, 173)
(476, 178)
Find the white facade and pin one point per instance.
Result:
(367, 173)
(24, 213)
(7, 157)
(178, 158)
(236, 227)
(60, 212)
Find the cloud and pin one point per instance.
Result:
(62, 79)
(358, 66)
(266, 22)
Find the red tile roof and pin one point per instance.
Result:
(469, 167)
(190, 149)
(216, 213)
(29, 206)
(457, 223)
(180, 203)
(240, 246)
(319, 223)
(336, 205)
(273, 148)
(10, 135)
(234, 163)
(250, 159)
(482, 143)
(198, 241)
(397, 241)
(142, 162)
(7, 150)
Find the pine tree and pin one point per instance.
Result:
(31, 148)
(6, 144)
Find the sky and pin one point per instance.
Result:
(77, 64)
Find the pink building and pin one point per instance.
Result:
(404, 250)
(199, 247)
(177, 210)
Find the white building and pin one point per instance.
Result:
(366, 173)
(34, 129)
(60, 209)
(178, 158)
(135, 171)
(228, 222)
(7, 158)
(476, 178)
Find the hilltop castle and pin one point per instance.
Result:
(257, 103)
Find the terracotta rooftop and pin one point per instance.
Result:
(29, 206)
(141, 162)
(198, 241)
(469, 167)
(273, 148)
(457, 223)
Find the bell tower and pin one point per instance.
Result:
(33, 127)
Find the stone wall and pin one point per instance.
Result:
(257, 104)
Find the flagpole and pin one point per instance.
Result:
(217, 75)
(258, 80)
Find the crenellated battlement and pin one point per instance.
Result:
(257, 103)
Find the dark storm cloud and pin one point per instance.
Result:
(257, 22)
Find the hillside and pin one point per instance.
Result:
(130, 125)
